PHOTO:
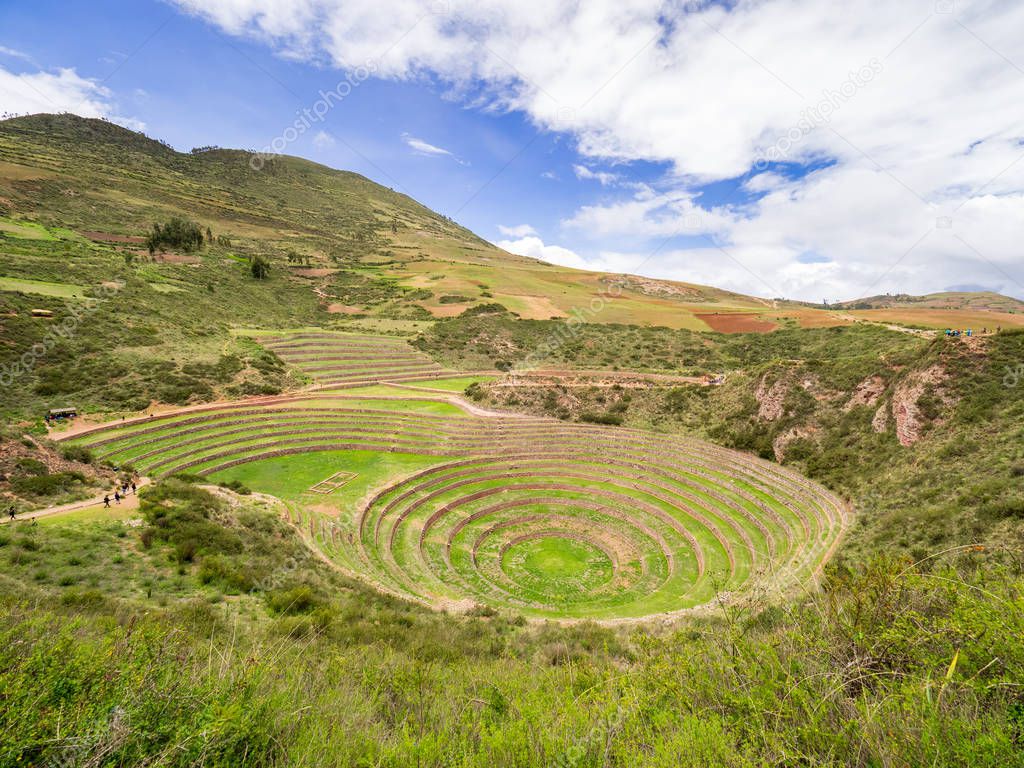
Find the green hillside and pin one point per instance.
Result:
(395, 505)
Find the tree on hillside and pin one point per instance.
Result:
(176, 233)
(259, 267)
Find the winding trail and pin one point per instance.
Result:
(129, 502)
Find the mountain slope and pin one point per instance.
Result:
(97, 178)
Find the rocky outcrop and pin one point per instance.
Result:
(906, 409)
(770, 399)
(880, 422)
(866, 392)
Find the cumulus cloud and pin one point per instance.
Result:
(604, 177)
(61, 91)
(535, 248)
(908, 111)
(520, 230)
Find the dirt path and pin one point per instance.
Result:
(926, 334)
(130, 502)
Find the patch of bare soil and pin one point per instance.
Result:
(651, 287)
(177, 258)
(880, 422)
(344, 309)
(736, 322)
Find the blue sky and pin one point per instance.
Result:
(193, 85)
(728, 147)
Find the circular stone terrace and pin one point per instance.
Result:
(549, 519)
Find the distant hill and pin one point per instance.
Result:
(962, 300)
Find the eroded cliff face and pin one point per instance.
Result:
(909, 402)
(770, 399)
(909, 415)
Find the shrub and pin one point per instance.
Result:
(79, 453)
(601, 418)
(230, 574)
(294, 601)
(237, 486)
(47, 485)
(31, 467)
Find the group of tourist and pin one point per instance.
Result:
(120, 493)
(968, 331)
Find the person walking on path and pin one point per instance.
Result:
(106, 502)
(12, 511)
(117, 497)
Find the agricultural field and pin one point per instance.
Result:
(345, 359)
(938, 319)
(442, 505)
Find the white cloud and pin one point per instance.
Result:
(14, 53)
(421, 147)
(323, 140)
(61, 91)
(521, 230)
(710, 88)
(534, 247)
(605, 178)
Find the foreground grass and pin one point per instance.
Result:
(894, 664)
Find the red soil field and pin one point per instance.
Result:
(737, 322)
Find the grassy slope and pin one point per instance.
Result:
(208, 635)
(120, 659)
(90, 176)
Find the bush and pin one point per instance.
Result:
(259, 267)
(230, 574)
(179, 514)
(294, 601)
(237, 486)
(601, 418)
(31, 467)
(78, 453)
(47, 485)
